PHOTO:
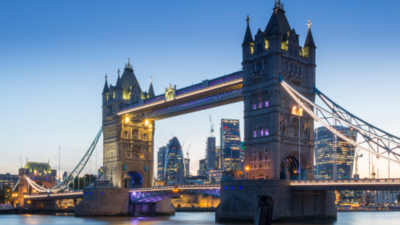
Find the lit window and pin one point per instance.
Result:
(261, 132)
(260, 105)
(266, 132)
(142, 155)
(255, 106)
(255, 133)
(266, 166)
(266, 103)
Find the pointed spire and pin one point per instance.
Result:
(309, 40)
(119, 82)
(105, 89)
(248, 37)
(128, 66)
(151, 90)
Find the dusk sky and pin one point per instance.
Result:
(54, 56)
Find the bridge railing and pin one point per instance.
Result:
(170, 187)
(345, 181)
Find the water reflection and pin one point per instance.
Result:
(344, 218)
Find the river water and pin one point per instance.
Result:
(344, 218)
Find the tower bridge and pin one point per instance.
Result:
(277, 85)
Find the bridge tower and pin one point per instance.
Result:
(271, 125)
(127, 140)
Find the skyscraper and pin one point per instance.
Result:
(174, 164)
(161, 162)
(230, 144)
(325, 155)
(210, 153)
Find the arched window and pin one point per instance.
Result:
(261, 132)
(255, 132)
(135, 134)
(266, 132)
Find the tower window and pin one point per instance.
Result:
(255, 106)
(144, 136)
(266, 151)
(260, 156)
(260, 165)
(283, 102)
(259, 47)
(266, 103)
(266, 158)
(255, 133)
(142, 155)
(260, 105)
(266, 131)
(261, 132)
(126, 134)
(254, 152)
(259, 66)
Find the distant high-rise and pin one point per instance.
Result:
(230, 144)
(210, 153)
(325, 156)
(202, 167)
(161, 162)
(174, 164)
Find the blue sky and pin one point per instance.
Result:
(54, 55)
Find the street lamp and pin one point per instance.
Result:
(298, 112)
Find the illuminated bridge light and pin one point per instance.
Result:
(226, 188)
(240, 187)
(232, 187)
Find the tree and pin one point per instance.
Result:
(5, 195)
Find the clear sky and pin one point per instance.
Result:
(54, 55)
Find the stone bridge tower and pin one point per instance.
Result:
(271, 128)
(127, 141)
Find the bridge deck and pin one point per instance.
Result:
(347, 184)
(180, 187)
(53, 196)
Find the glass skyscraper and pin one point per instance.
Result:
(230, 144)
(161, 162)
(324, 142)
(174, 163)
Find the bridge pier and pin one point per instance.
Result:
(239, 201)
(160, 208)
(103, 202)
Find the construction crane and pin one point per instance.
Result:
(187, 151)
(212, 127)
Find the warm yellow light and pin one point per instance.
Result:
(297, 112)
(247, 168)
(34, 191)
(126, 119)
(146, 122)
(29, 202)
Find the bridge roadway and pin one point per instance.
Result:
(55, 196)
(150, 193)
(347, 184)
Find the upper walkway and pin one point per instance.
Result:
(54, 196)
(207, 94)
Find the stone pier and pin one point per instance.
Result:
(117, 202)
(239, 200)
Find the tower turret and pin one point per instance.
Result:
(118, 88)
(248, 43)
(309, 46)
(150, 93)
(105, 92)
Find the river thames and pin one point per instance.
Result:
(344, 218)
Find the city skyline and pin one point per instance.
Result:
(54, 79)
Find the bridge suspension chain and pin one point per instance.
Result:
(61, 185)
(371, 135)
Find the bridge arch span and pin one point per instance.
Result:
(133, 180)
(290, 166)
